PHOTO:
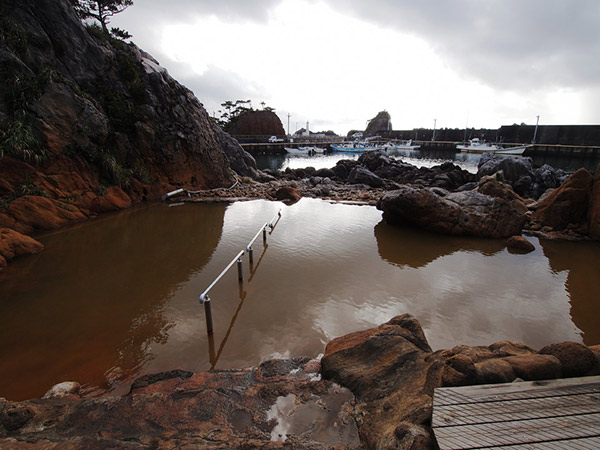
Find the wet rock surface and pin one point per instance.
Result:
(493, 210)
(372, 389)
(276, 405)
(526, 180)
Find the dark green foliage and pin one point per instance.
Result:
(29, 188)
(95, 30)
(16, 137)
(17, 141)
(234, 109)
(21, 91)
(13, 36)
(100, 190)
(142, 173)
(106, 163)
(119, 33)
(121, 111)
(100, 10)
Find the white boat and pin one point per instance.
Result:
(303, 150)
(408, 145)
(477, 146)
(513, 150)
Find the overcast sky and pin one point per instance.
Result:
(336, 63)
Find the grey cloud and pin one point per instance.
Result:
(507, 43)
(216, 86)
(183, 10)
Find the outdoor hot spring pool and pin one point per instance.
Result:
(115, 298)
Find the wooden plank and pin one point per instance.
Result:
(491, 435)
(517, 390)
(451, 415)
(549, 414)
(592, 443)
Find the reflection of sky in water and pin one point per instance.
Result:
(417, 158)
(328, 270)
(322, 276)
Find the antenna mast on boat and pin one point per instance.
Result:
(536, 128)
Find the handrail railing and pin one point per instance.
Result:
(204, 295)
(205, 299)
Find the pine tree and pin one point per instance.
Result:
(101, 10)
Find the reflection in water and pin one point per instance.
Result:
(420, 158)
(117, 297)
(581, 262)
(416, 248)
(91, 306)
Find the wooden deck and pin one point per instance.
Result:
(553, 414)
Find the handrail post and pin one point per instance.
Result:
(250, 256)
(265, 235)
(240, 271)
(208, 314)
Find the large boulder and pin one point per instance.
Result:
(34, 213)
(13, 244)
(362, 175)
(496, 212)
(513, 168)
(576, 359)
(379, 124)
(257, 123)
(387, 369)
(520, 173)
(568, 205)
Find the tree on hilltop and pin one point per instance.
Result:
(101, 10)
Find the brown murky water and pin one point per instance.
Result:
(116, 298)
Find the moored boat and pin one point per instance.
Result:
(475, 145)
(408, 145)
(304, 150)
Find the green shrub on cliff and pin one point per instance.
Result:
(17, 141)
(12, 35)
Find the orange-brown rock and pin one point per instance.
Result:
(567, 204)
(113, 200)
(283, 403)
(288, 193)
(286, 408)
(253, 123)
(493, 371)
(576, 359)
(535, 367)
(40, 213)
(520, 244)
(13, 244)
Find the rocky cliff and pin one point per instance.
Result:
(257, 123)
(89, 123)
(381, 123)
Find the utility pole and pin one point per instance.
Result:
(536, 127)
(289, 115)
(434, 122)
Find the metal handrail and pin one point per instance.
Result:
(261, 230)
(205, 299)
(204, 296)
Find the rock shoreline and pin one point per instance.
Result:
(372, 389)
(444, 199)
